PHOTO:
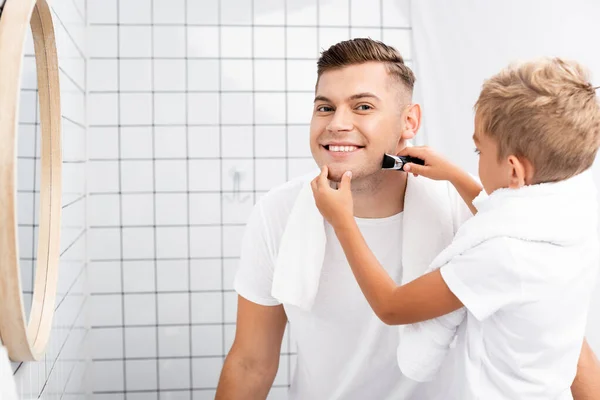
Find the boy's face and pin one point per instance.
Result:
(494, 174)
(358, 115)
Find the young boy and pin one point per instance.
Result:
(525, 265)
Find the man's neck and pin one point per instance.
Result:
(380, 196)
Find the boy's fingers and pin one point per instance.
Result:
(418, 152)
(415, 169)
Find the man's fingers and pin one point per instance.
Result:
(323, 177)
(345, 184)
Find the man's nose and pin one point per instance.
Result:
(341, 121)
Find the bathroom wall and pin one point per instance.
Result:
(197, 108)
(60, 373)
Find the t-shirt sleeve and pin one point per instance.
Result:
(485, 278)
(254, 276)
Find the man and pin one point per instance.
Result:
(363, 108)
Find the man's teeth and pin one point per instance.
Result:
(342, 148)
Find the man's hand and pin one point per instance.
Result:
(436, 167)
(336, 206)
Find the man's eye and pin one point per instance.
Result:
(365, 107)
(324, 109)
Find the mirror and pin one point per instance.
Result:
(28, 293)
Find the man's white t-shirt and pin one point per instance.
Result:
(527, 306)
(343, 350)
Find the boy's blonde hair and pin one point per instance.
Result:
(545, 111)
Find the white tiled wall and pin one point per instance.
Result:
(197, 108)
(60, 374)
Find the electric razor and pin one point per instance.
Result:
(398, 162)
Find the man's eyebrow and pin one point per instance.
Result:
(363, 95)
(322, 98)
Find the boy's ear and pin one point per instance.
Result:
(412, 121)
(521, 172)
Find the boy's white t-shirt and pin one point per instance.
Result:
(527, 308)
(343, 350)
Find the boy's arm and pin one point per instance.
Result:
(586, 385)
(424, 298)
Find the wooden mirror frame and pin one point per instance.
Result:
(27, 341)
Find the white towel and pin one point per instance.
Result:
(8, 388)
(529, 213)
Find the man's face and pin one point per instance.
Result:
(358, 115)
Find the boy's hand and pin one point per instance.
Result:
(336, 206)
(436, 167)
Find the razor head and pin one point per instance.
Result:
(398, 162)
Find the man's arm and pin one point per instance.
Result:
(252, 362)
(586, 385)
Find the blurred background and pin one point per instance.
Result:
(177, 116)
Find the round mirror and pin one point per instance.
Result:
(30, 178)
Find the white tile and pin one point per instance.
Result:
(105, 277)
(136, 176)
(203, 141)
(174, 374)
(399, 39)
(300, 106)
(135, 11)
(169, 11)
(205, 241)
(203, 74)
(170, 141)
(330, 36)
(281, 378)
(372, 33)
(169, 41)
(269, 12)
(171, 209)
(136, 108)
(204, 175)
(236, 75)
(301, 75)
(173, 308)
(301, 12)
(169, 108)
(269, 42)
(232, 240)
(28, 107)
(203, 108)
(138, 276)
(396, 13)
(230, 299)
(269, 108)
(27, 146)
(107, 376)
(203, 41)
(102, 11)
(299, 141)
(135, 41)
(103, 176)
(236, 12)
(104, 210)
(103, 143)
(25, 177)
(140, 342)
(269, 75)
(204, 394)
(140, 309)
(106, 310)
(237, 108)
(300, 166)
(135, 75)
(203, 12)
(105, 244)
(169, 75)
(229, 336)
(236, 42)
(207, 307)
(107, 343)
(270, 141)
(365, 14)
(144, 395)
(206, 372)
(136, 142)
(237, 141)
(138, 243)
(137, 209)
(171, 242)
(270, 173)
(176, 394)
(103, 41)
(170, 175)
(26, 241)
(237, 210)
(103, 75)
(205, 208)
(103, 109)
(302, 43)
(141, 374)
(207, 340)
(205, 274)
(334, 12)
(172, 275)
(230, 267)
(238, 175)
(108, 396)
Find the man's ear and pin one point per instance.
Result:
(412, 121)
